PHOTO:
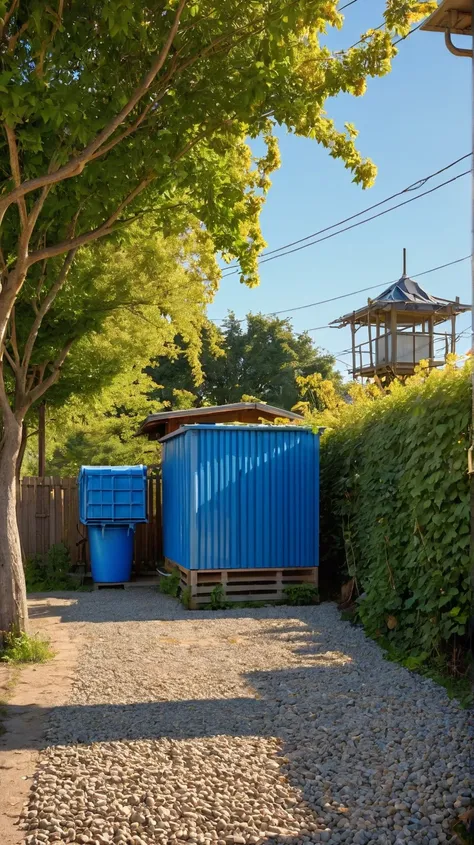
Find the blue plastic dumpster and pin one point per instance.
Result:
(111, 548)
(112, 500)
(112, 494)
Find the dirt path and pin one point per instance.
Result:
(30, 693)
(274, 726)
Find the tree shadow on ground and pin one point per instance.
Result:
(302, 706)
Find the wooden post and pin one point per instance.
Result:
(414, 346)
(393, 332)
(377, 337)
(431, 338)
(353, 347)
(369, 328)
(42, 440)
(453, 332)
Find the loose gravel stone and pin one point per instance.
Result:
(272, 726)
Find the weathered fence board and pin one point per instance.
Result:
(48, 513)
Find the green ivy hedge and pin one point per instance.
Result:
(395, 511)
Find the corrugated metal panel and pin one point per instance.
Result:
(177, 481)
(241, 497)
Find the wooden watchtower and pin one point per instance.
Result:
(400, 327)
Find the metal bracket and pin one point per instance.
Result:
(456, 51)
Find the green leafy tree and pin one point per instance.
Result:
(395, 510)
(264, 359)
(112, 109)
(100, 430)
(124, 304)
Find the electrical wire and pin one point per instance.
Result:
(359, 223)
(353, 293)
(351, 3)
(415, 186)
(377, 29)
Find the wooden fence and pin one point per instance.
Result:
(48, 513)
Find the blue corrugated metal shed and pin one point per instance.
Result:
(239, 497)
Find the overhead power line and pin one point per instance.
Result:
(415, 186)
(354, 293)
(351, 3)
(355, 225)
(376, 29)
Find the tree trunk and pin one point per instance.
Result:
(13, 607)
(21, 451)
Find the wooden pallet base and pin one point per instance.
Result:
(151, 581)
(242, 585)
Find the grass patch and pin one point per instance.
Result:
(301, 594)
(217, 599)
(458, 686)
(21, 648)
(186, 598)
(170, 585)
(438, 670)
(51, 571)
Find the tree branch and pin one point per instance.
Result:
(105, 228)
(76, 165)
(44, 46)
(14, 38)
(15, 169)
(44, 308)
(7, 17)
(13, 337)
(9, 358)
(45, 384)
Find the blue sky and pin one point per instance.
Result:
(410, 123)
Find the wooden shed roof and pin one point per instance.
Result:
(157, 425)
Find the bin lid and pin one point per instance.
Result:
(139, 469)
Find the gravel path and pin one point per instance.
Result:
(280, 726)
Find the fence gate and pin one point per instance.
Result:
(48, 513)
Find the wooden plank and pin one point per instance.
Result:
(353, 346)
(393, 333)
(159, 518)
(31, 509)
(67, 537)
(20, 514)
(202, 600)
(369, 328)
(52, 513)
(59, 511)
(38, 498)
(149, 551)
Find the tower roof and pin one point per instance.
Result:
(409, 298)
(406, 290)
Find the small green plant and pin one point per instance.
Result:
(299, 594)
(217, 599)
(186, 598)
(22, 648)
(50, 571)
(171, 584)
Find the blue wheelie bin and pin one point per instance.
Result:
(111, 548)
(112, 500)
